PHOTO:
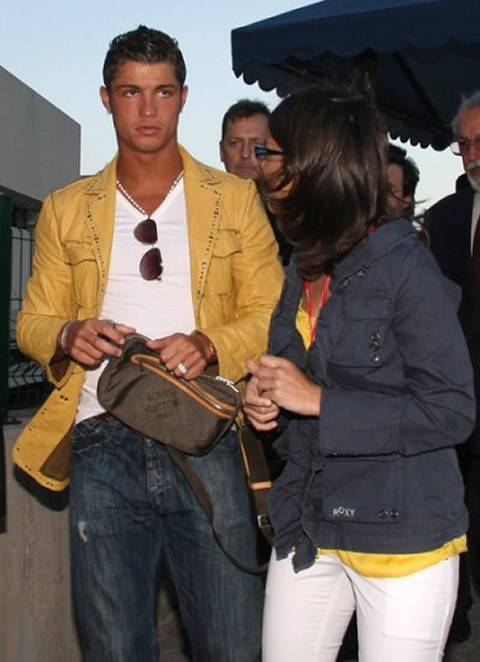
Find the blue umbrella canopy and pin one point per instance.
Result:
(420, 56)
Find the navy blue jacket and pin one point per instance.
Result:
(377, 471)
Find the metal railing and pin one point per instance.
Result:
(26, 379)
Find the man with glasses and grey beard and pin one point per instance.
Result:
(164, 245)
(454, 230)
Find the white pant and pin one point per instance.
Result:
(406, 619)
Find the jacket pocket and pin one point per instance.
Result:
(80, 257)
(364, 490)
(227, 245)
(362, 341)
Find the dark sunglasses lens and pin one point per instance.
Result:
(146, 231)
(260, 152)
(151, 267)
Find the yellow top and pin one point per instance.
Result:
(384, 565)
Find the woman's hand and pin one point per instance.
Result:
(260, 411)
(280, 382)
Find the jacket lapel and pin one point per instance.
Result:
(203, 198)
(99, 210)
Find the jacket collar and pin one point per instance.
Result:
(375, 246)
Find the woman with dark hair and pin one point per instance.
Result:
(369, 387)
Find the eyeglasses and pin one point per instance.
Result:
(461, 146)
(262, 153)
(151, 267)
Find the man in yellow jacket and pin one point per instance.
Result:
(163, 245)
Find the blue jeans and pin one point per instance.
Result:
(131, 509)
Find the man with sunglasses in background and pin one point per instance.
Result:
(455, 241)
(244, 125)
(245, 128)
(163, 245)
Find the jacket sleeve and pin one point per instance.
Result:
(47, 303)
(435, 406)
(256, 281)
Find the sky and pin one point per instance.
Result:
(57, 47)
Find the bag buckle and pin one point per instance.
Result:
(263, 521)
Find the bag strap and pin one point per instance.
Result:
(258, 475)
(200, 492)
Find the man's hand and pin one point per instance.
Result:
(89, 341)
(186, 356)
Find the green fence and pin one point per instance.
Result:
(25, 383)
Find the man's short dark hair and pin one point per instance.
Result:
(143, 45)
(243, 108)
(411, 173)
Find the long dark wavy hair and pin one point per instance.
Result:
(335, 148)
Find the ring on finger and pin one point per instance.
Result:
(183, 369)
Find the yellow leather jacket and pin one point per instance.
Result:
(236, 281)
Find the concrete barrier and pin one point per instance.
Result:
(36, 622)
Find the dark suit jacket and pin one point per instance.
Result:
(449, 223)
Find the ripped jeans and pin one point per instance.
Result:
(131, 509)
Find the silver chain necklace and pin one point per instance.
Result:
(133, 202)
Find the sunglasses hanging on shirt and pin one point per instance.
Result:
(151, 265)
